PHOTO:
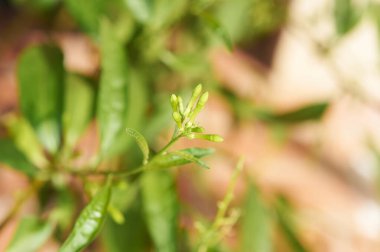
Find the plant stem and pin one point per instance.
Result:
(120, 173)
(214, 234)
(172, 141)
(126, 173)
(20, 201)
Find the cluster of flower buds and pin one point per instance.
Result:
(185, 117)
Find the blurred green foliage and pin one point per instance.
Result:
(148, 48)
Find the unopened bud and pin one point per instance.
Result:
(177, 118)
(210, 137)
(180, 105)
(200, 105)
(194, 97)
(174, 102)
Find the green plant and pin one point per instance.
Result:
(147, 49)
(92, 217)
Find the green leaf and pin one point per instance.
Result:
(346, 16)
(287, 226)
(30, 235)
(256, 233)
(113, 88)
(160, 205)
(26, 140)
(89, 222)
(136, 107)
(79, 107)
(310, 112)
(40, 76)
(218, 30)
(166, 12)
(141, 142)
(172, 159)
(87, 13)
(11, 156)
(192, 159)
(141, 9)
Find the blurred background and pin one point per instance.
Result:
(294, 89)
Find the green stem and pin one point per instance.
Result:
(20, 202)
(126, 173)
(172, 141)
(120, 173)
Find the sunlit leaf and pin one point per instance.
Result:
(173, 159)
(287, 225)
(346, 16)
(11, 156)
(89, 222)
(191, 158)
(165, 12)
(160, 205)
(141, 9)
(41, 87)
(309, 112)
(87, 13)
(30, 235)
(114, 83)
(142, 143)
(79, 107)
(25, 140)
(255, 223)
(218, 30)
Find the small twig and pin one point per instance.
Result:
(172, 141)
(211, 236)
(20, 201)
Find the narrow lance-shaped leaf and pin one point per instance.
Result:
(141, 142)
(30, 235)
(346, 16)
(40, 78)
(160, 206)
(25, 140)
(111, 110)
(87, 13)
(255, 223)
(191, 158)
(173, 159)
(11, 156)
(141, 9)
(78, 110)
(165, 12)
(309, 112)
(287, 226)
(135, 107)
(218, 30)
(89, 222)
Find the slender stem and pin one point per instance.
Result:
(120, 173)
(126, 173)
(172, 141)
(19, 202)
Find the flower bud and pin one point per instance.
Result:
(174, 102)
(180, 105)
(177, 118)
(197, 91)
(210, 137)
(200, 105)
